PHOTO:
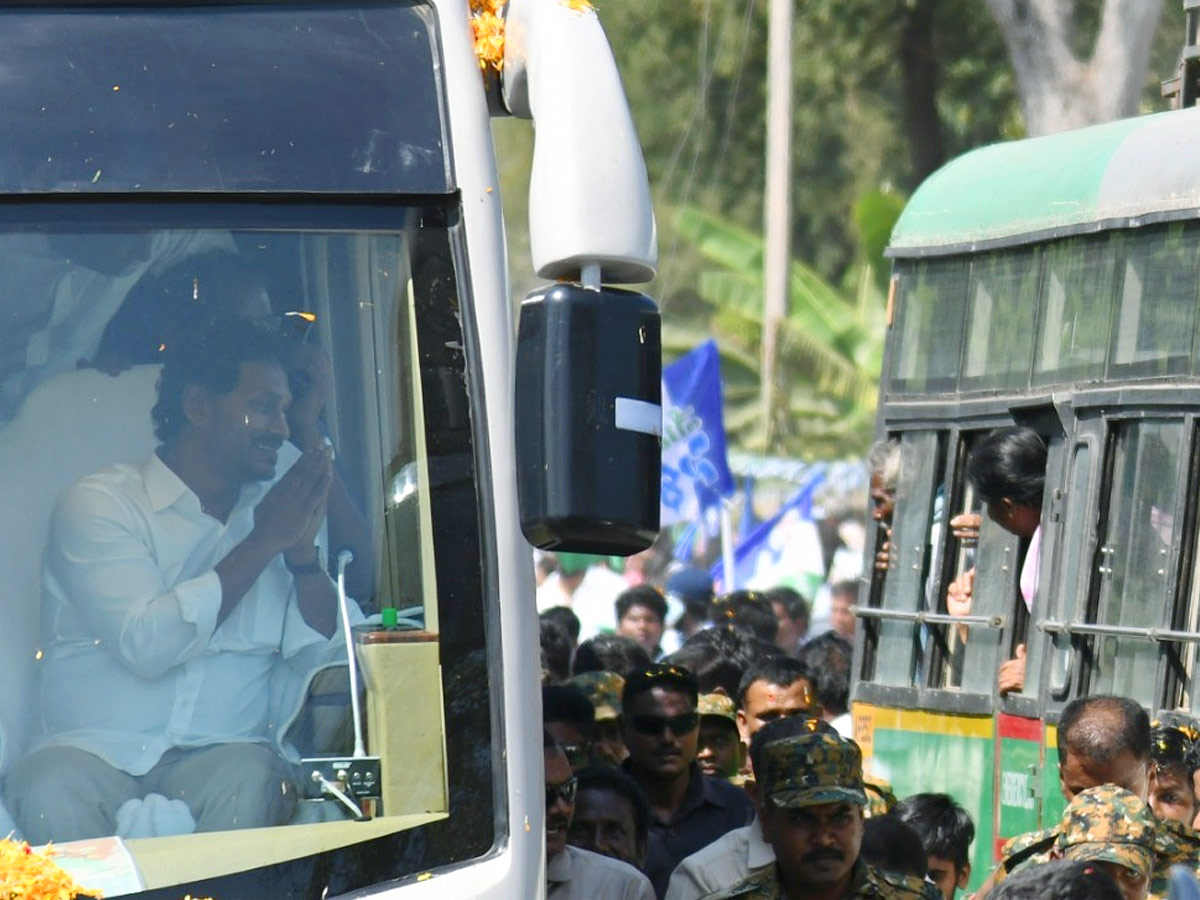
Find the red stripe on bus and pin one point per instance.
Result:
(1022, 729)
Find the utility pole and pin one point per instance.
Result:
(778, 203)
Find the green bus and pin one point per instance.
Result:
(1052, 283)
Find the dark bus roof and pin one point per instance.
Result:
(1120, 174)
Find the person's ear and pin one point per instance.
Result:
(197, 405)
(964, 876)
(741, 723)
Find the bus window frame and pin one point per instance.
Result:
(1086, 644)
(349, 213)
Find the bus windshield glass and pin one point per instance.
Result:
(223, 97)
(226, 432)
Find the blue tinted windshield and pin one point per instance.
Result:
(279, 97)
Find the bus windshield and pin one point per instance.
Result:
(130, 653)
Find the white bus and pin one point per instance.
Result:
(329, 165)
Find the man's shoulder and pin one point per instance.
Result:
(720, 791)
(723, 862)
(884, 885)
(588, 867)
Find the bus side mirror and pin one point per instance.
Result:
(589, 419)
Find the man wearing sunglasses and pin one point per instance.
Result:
(688, 809)
(571, 872)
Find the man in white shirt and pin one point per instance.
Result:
(172, 591)
(573, 873)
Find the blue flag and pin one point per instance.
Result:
(695, 470)
(785, 549)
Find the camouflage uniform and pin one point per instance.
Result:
(810, 770)
(867, 883)
(604, 690)
(1104, 823)
(1177, 844)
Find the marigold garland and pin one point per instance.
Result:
(487, 28)
(26, 874)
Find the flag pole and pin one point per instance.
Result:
(729, 581)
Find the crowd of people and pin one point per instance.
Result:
(727, 769)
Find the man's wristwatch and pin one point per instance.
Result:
(316, 567)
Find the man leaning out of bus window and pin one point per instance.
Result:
(1008, 470)
(174, 591)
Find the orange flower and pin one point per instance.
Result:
(26, 875)
(488, 30)
(577, 5)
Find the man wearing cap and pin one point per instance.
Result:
(688, 809)
(720, 752)
(1114, 828)
(571, 872)
(810, 804)
(728, 860)
(603, 689)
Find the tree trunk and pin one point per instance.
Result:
(1059, 91)
(920, 72)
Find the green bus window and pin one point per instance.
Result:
(1134, 558)
(904, 585)
(1159, 294)
(1066, 601)
(929, 323)
(1075, 310)
(1003, 304)
(1182, 657)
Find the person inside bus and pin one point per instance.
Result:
(883, 462)
(1008, 470)
(173, 591)
(946, 832)
(176, 304)
(573, 873)
(1175, 756)
(612, 816)
(689, 810)
(61, 288)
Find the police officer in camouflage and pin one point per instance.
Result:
(810, 804)
(1107, 825)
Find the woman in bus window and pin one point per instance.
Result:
(1008, 470)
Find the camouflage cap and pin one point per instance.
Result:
(604, 690)
(717, 705)
(1108, 824)
(810, 769)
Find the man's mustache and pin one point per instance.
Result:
(822, 855)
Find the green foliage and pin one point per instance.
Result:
(830, 346)
(695, 75)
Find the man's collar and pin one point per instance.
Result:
(163, 486)
(759, 851)
(558, 866)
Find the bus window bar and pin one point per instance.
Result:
(1162, 635)
(922, 618)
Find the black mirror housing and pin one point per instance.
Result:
(589, 419)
